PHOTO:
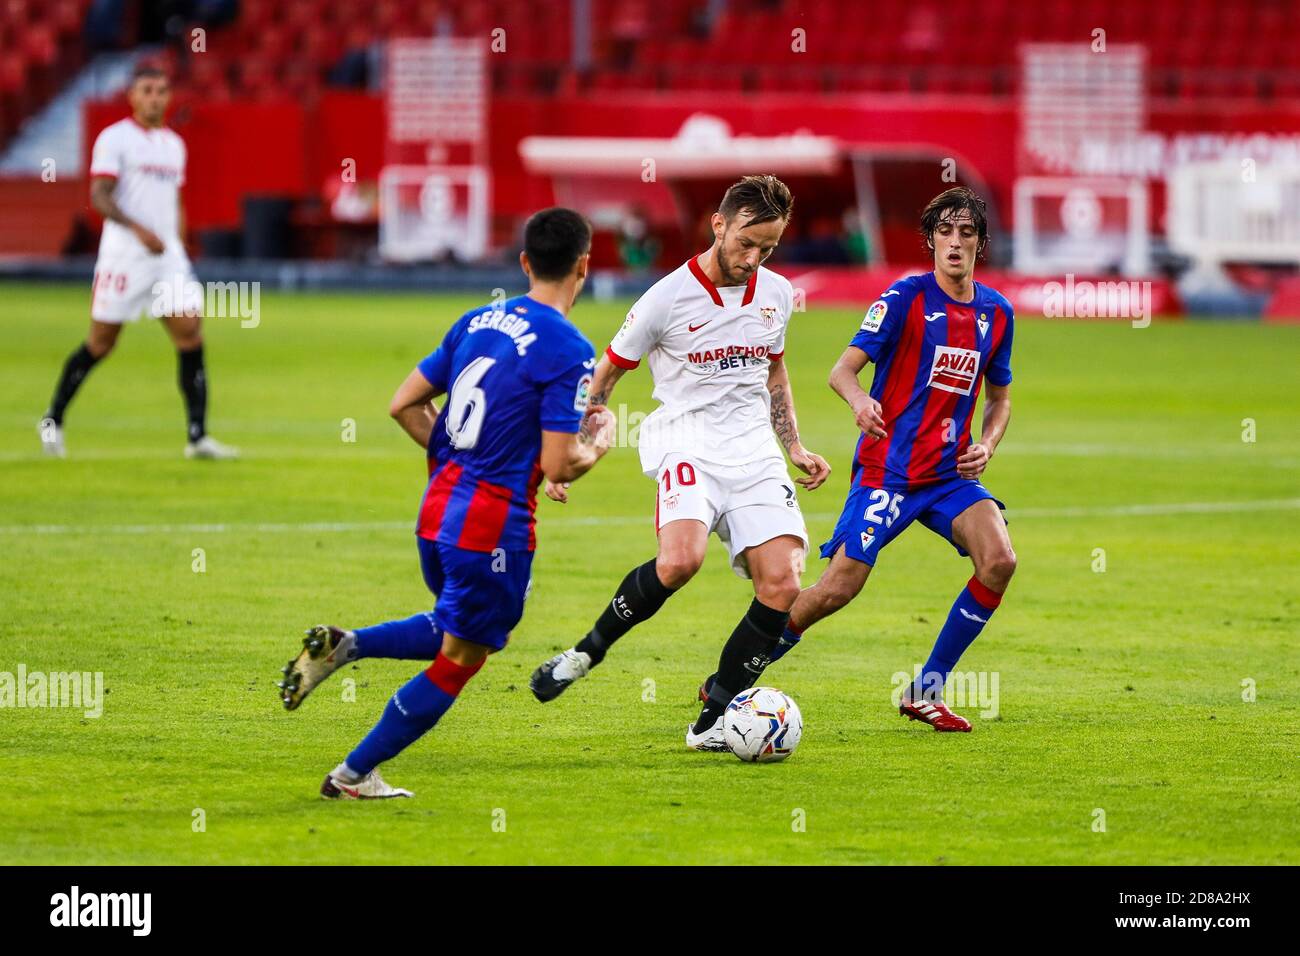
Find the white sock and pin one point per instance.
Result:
(346, 774)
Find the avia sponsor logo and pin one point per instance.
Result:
(510, 325)
(730, 352)
(954, 370)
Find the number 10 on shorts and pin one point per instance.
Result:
(685, 476)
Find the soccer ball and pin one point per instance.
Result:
(762, 725)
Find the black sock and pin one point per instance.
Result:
(637, 599)
(744, 658)
(75, 370)
(194, 386)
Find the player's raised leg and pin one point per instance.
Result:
(327, 648)
(410, 714)
(99, 342)
(981, 531)
(841, 581)
(643, 591)
(192, 376)
(775, 566)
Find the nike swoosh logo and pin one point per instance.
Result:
(696, 328)
(972, 617)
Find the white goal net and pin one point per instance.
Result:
(1077, 224)
(427, 212)
(434, 197)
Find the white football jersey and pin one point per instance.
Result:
(710, 351)
(149, 165)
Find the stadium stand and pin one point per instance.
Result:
(1202, 48)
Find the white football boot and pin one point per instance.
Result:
(208, 447)
(369, 787)
(51, 438)
(553, 677)
(711, 740)
(324, 650)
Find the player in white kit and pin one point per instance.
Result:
(136, 170)
(713, 333)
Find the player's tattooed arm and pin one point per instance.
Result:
(997, 413)
(603, 381)
(566, 457)
(412, 407)
(783, 422)
(786, 427)
(101, 198)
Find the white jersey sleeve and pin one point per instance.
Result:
(786, 293)
(185, 160)
(644, 325)
(106, 157)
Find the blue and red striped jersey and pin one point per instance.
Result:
(932, 354)
(510, 371)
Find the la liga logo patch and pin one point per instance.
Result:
(583, 394)
(875, 315)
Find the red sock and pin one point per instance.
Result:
(450, 677)
(986, 596)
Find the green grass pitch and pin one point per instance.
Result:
(1123, 691)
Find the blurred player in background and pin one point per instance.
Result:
(714, 333)
(935, 339)
(518, 379)
(137, 168)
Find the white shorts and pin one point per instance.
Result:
(745, 504)
(126, 288)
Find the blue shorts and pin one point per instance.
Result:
(480, 594)
(873, 517)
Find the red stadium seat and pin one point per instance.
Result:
(40, 45)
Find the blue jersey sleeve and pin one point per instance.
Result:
(999, 368)
(884, 320)
(567, 386)
(436, 366)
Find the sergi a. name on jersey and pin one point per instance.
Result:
(510, 371)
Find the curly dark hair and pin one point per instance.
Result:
(948, 204)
